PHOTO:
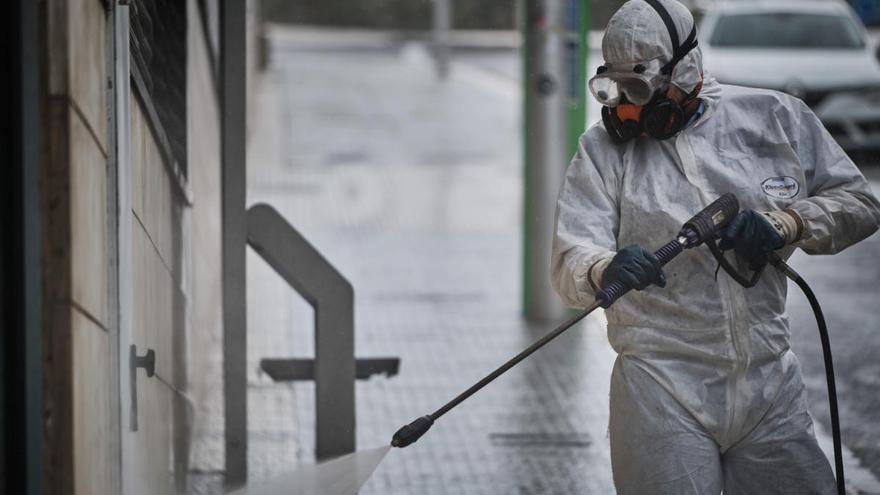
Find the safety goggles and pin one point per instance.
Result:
(637, 82)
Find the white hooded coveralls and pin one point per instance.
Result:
(705, 393)
(706, 365)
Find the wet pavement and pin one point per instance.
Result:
(846, 286)
(411, 187)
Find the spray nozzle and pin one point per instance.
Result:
(408, 434)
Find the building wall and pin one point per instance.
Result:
(79, 367)
(158, 305)
(175, 274)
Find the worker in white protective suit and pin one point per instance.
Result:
(706, 394)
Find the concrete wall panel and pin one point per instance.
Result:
(88, 215)
(154, 456)
(143, 307)
(165, 322)
(91, 406)
(142, 164)
(155, 204)
(138, 158)
(158, 319)
(86, 52)
(155, 323)
(79, 357)
(168, 220)
(80, 431)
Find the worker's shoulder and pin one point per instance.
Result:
(757, 99)
(596, 136)
(596, 148)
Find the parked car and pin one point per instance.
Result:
(867, 10)
(816, 50)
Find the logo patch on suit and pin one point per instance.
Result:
(783, 187)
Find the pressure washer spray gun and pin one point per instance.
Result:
(695, 231)
(702, 228)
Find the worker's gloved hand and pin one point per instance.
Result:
(635, 267)
(752, 237)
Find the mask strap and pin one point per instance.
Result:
(689, 44)
(678, 51)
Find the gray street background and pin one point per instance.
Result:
(412, 187)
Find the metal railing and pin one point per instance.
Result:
(331, 296)
(334, 368)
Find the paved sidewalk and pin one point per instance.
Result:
(411, 187)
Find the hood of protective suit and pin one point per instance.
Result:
(636, 33)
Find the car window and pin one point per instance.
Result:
(786, 30)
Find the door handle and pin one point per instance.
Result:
(148, 363)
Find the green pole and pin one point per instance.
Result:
(554, 89)
(577, 102)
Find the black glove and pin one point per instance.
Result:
(634, 267)
(752, 237)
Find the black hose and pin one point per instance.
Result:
(829, 366)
